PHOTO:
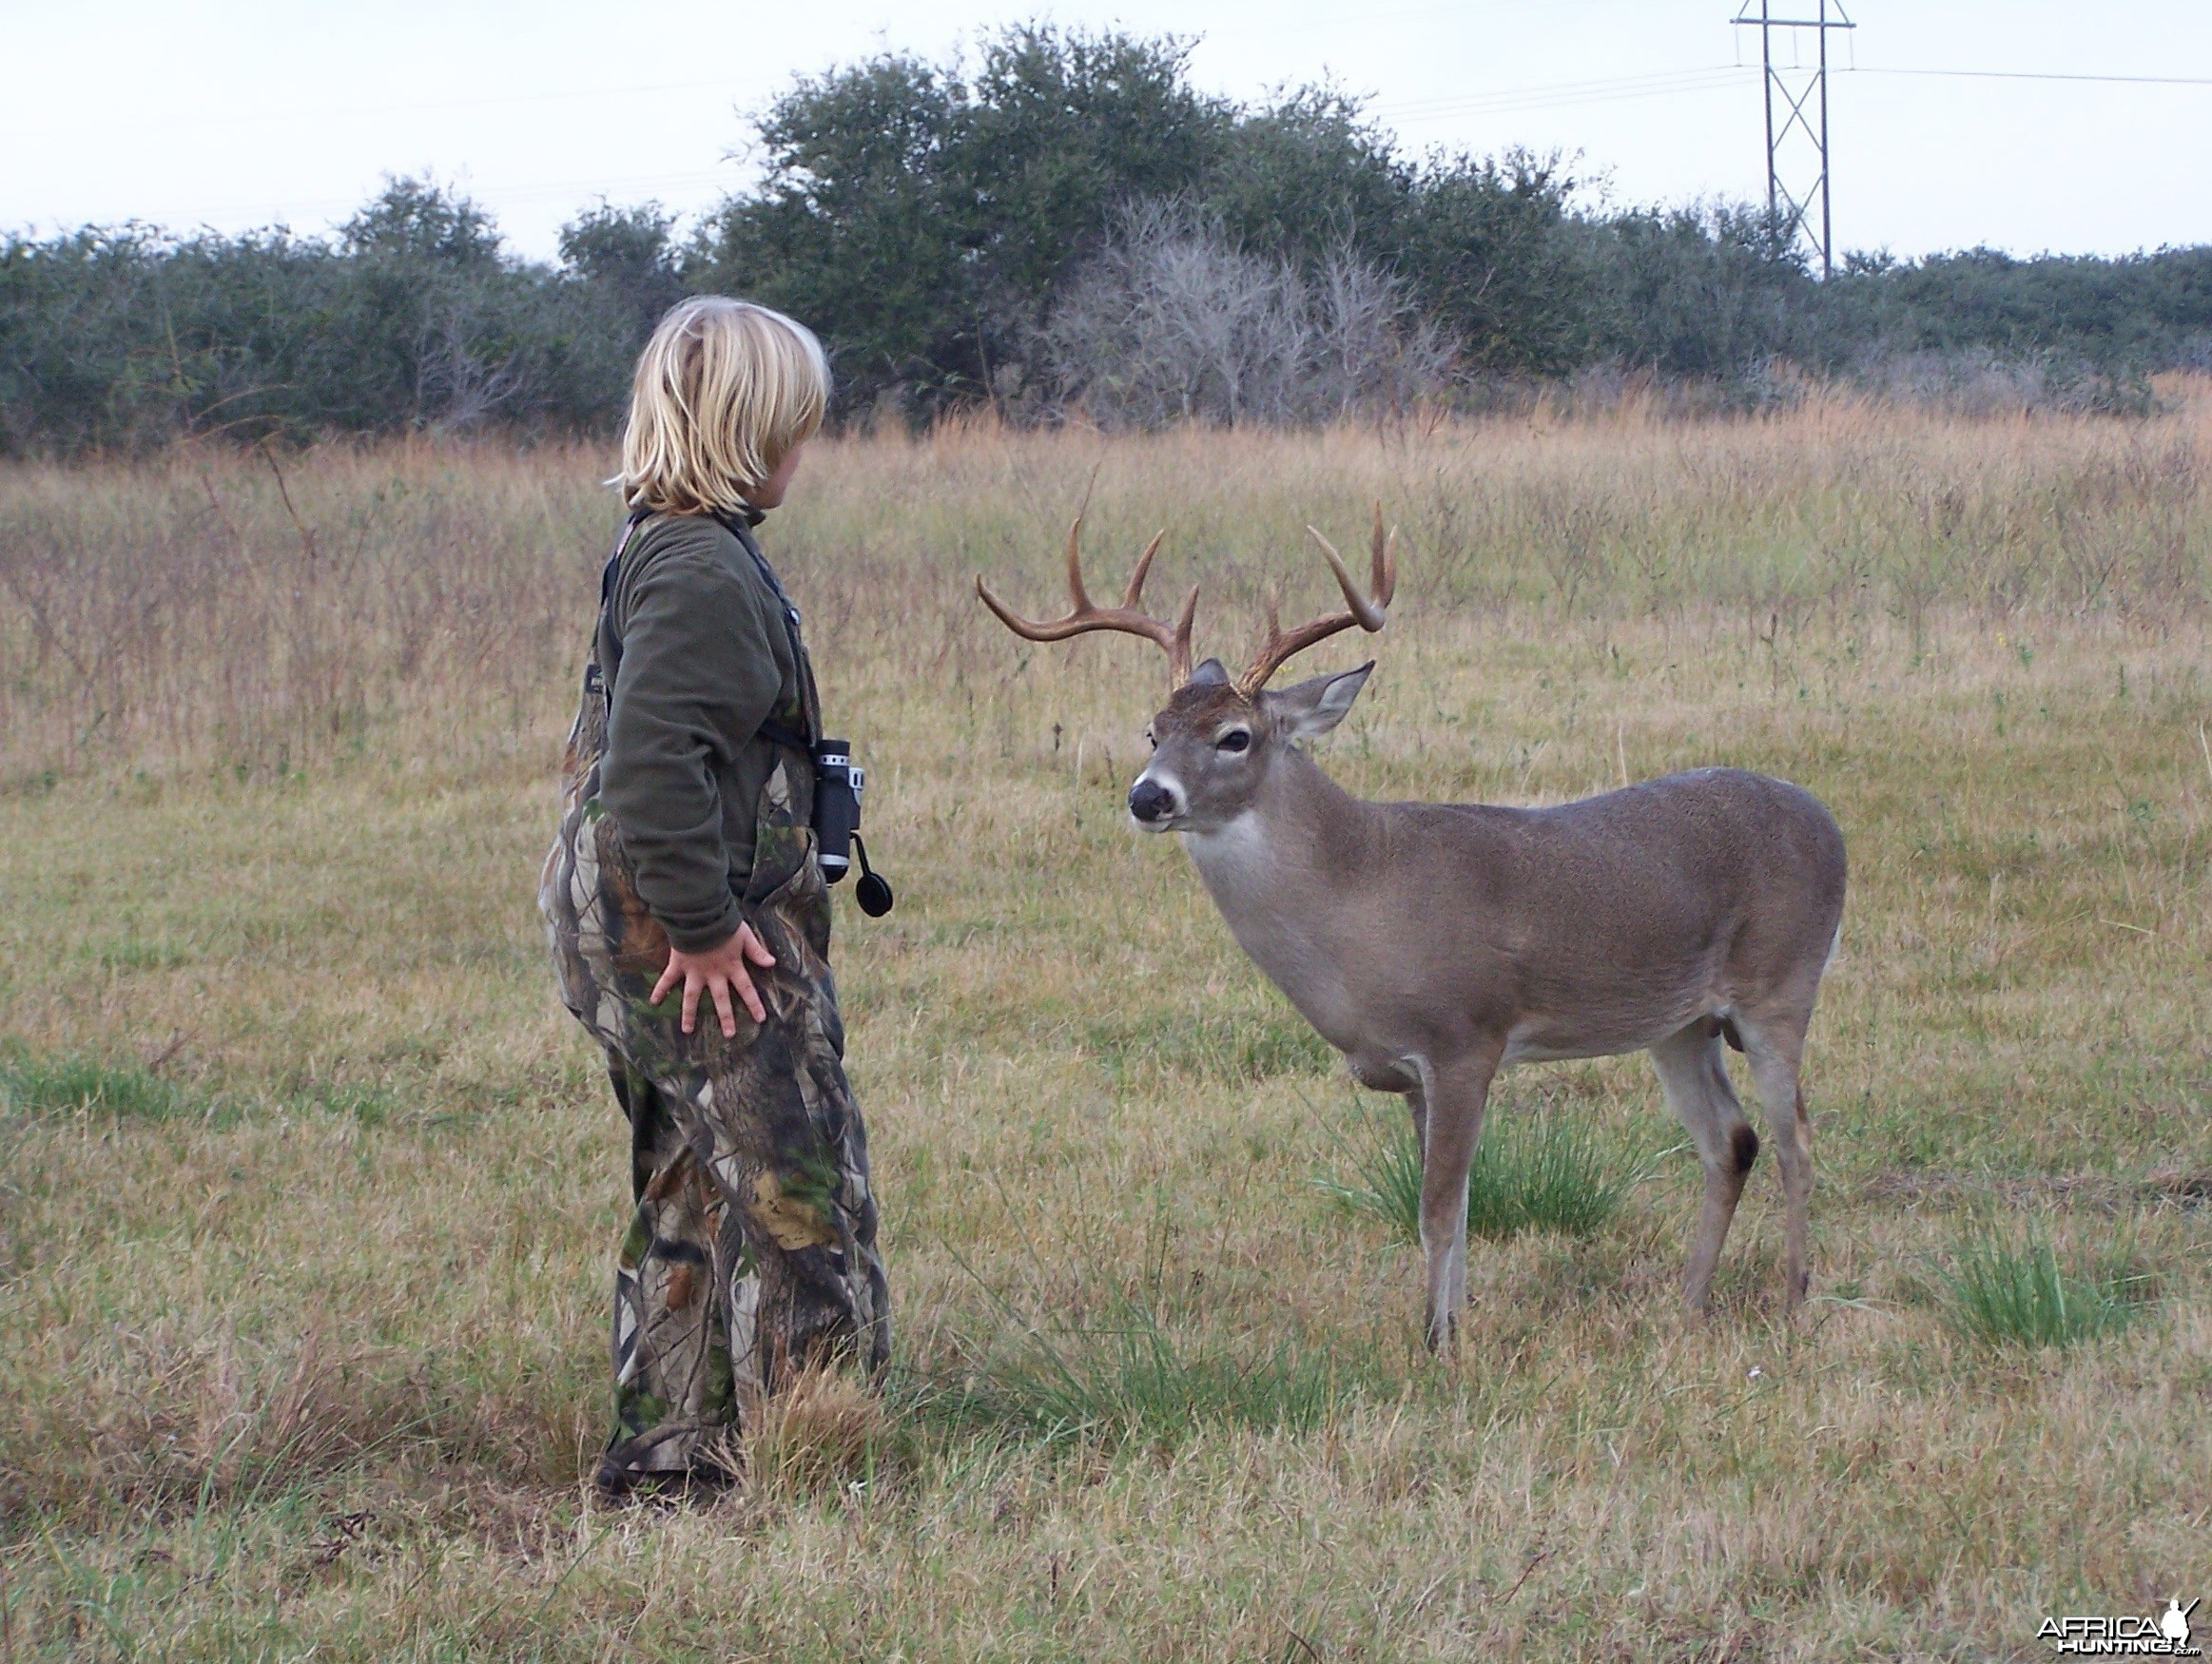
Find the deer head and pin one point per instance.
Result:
(1218, 737)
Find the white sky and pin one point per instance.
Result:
(232, 114)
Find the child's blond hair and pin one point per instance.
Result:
(723, 390)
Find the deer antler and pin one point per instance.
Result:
(1129, 617)
(1364, 610)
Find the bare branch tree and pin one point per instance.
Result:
(1174, 321)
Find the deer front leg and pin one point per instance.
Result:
(1450, 1101)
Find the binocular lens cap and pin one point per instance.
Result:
(873, 895)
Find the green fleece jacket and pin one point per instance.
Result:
(699, 657)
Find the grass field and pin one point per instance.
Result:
(309, 1189)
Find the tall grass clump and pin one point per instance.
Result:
(2013, 1292)
(1531, 1174)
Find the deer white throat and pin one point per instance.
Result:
(1235, 854)
(1268, 904)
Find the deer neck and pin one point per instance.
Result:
(1285, 874)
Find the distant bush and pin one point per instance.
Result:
(411, 321)
(1704, 293)
(1069, 230)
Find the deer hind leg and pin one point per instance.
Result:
(1696, 1080)
(1775, 1048)
(1454, 1099)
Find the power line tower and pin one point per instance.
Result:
(1798, 150)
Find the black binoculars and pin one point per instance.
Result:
(837, 782)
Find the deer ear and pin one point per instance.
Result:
(1208, 674)
(1311, 709)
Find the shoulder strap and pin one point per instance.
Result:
(743, 535)
(612, 572)
(597, 678)
(773, 732)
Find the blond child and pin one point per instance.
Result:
(685, 876)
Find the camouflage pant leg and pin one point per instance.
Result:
(757, 1181)
(673, 1389)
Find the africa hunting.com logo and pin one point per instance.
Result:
(2165, 1635)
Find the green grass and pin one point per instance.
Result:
(33, 1085)
(69, 1084)
(2012, 1292)
(1531, 1172)
(1238, 1046)
(372, 1106)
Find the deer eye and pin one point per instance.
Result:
(1235, 740)
(1152, 739)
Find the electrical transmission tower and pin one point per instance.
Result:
(1797, 150)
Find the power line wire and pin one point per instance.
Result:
(2034, 75)
(1563, 88)
(1562, 94)
(229, 118)
(1500, 100)
(1504, 102)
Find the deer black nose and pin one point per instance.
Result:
(1148, 801)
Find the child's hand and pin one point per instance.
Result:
(718, 970)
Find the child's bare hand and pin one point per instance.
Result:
(719, 970)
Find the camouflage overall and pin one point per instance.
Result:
(752, 1247)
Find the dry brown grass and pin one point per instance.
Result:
(266, 612)
(301, 1322)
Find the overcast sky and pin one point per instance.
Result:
(238, 114)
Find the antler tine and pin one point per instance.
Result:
(1130, 600)
(1179, 649)
(1178, 644)
(1368, 611)
(1076, 591)
(1385, 558)
(1084, 614)
(1365, 614)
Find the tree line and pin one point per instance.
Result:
(1067, 227)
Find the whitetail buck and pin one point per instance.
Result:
(1435, 943)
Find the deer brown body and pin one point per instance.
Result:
(1434, 944)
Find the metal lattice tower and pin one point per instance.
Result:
(1798, 150)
